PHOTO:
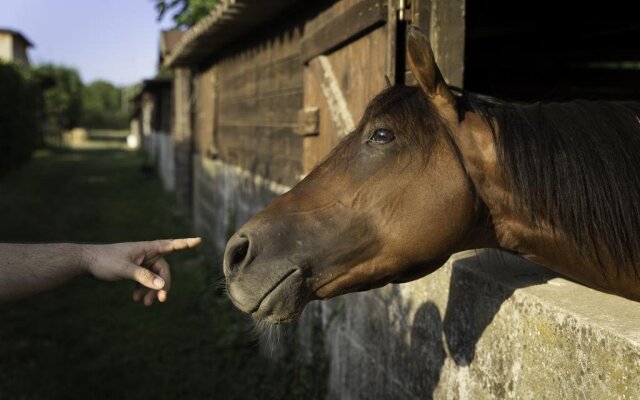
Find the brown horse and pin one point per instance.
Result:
(431, 171)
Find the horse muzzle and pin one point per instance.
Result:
(275, 294)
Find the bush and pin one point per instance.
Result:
(61, 95)
(19, 116)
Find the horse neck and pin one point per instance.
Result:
(476, 143)
(514, 231)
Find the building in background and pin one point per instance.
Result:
(14, 46)
(151, 119)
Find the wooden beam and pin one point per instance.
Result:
(356, 21)
(336, 102)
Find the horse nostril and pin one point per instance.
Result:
(237, 252)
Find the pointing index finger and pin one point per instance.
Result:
(171, 245)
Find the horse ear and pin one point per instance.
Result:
(423, 65)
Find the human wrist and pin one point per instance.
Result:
(85, 258)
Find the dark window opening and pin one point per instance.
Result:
(544, 50)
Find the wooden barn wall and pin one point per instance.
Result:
(182, 137)
(204, 112)
(445, 23)
(259, 94)
(359, 82)
(246, 151)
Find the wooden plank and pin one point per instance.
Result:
(261, 123)
(353, 23)
(259, 96)
(284, 108)
(359, 83)
(270, 95)
(336, 101)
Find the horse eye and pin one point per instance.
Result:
(381, 136)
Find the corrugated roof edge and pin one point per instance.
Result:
(198, 42)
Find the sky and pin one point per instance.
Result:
(113, 40)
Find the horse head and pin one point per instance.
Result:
(390, 204)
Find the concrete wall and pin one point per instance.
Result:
(159, 147)
(226, 196)
(156, 123)
(486, 326)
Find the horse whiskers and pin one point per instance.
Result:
(269, 334)
(219, 284)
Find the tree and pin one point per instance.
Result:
(19, 116)
(187, 12)
(62, 97)
(103, 106)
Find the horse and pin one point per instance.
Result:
(431, 170)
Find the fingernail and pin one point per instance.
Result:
(158, 282)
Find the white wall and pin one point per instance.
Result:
(6, 47)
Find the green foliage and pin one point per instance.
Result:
(51, 98)
(187, 12)
(104, 106)
(62, 95)
(19, 127)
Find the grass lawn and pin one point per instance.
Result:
(88, 339)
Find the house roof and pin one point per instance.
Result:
(228, 21)
(18, 35)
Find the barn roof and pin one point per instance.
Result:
(228, 21)
(168, 41)
(149, 85)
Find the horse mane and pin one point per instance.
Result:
(573, 166)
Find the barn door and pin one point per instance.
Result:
(350, 47)
(347, 50)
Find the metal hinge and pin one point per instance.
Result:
(404, 12)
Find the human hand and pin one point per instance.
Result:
(142, 262)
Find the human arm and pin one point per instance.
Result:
(27, 269)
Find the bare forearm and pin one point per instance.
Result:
(26, 269)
